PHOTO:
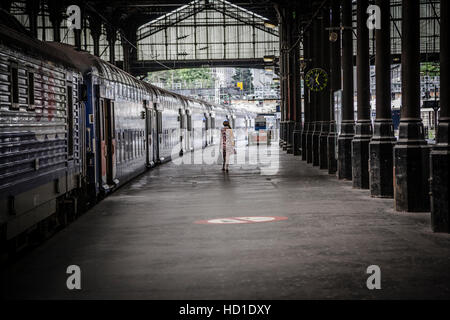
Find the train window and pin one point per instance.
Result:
(30, 89)
(183, 121)
(70, 121)
(113, 121)
(189, 122)
(159, 122)
(206, 122)
(14, 85)
(102, 127)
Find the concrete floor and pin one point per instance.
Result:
(142, 242)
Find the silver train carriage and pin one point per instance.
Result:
(74, 128)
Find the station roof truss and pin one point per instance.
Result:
(214, 30)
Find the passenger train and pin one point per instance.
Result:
(73, 128)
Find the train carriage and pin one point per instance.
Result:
(74, 128)
(41, 136)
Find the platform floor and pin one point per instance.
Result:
(142, 243)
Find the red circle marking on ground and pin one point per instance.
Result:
(241, 220)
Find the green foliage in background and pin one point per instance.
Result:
(430, 68)
(189, 78)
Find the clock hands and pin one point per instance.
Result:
(316, 79)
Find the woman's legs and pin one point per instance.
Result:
(224, 154)
(226, 159)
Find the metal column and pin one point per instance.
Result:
(297, 93)
(383, 140)
(315, 105)
(440, 156)
(305, 131)
(325, 94)
(361, 140)
(411, 153)
(335, 79)
(347, 125)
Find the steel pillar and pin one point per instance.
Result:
(440, 156)
(96, 30)
(305, 131)
(283, 104)
(325, 103)
(55, 15)
(335, 85)
(411, 153)
(361, 140)
(126, 54)
(316, 101)
(347, 125)
(32, 9)
(111, 37)
(383, 140)
(295, 90)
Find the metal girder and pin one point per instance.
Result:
(196, 7)
(142, 67)
(152, 30)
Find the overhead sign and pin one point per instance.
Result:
(241, 220)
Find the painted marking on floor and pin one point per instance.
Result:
(241, 220)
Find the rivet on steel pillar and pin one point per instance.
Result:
(316, 95)
(361, 140)
(347, 125)
(383, 140)
(440, 156)
(335, 80)
(325, 101)
(411, 153)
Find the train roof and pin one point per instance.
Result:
(12, 33)
(85, 62)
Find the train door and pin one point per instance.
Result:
(205, 131)
(149, 135)
(108, 143)
(182, 118)
(154, 134)
(189, 137)
(159, 136)
(213, 128)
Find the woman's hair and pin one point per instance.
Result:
(226, 123)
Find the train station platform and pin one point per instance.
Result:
(154, 239)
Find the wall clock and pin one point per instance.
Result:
(316, 79)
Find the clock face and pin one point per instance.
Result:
(316, 79)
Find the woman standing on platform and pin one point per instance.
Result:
(227, 143)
